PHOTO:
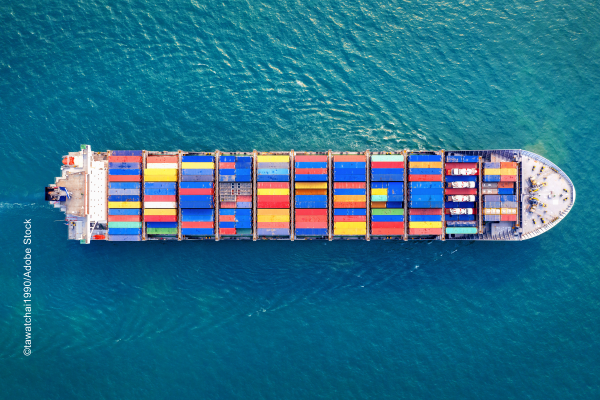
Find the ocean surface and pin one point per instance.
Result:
(302, 320)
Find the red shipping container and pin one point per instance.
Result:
(349, 185)
(424, 178)
(310, 159)
(508, 178)
(197, 191)
(425, 231)
(311, 218)
(387, 232)
(311, 171)
(507, 165)
(227, 231)
(461, 191)
(385, 164)
(388, 225)
(160, 218)
(202, 224)
(273, 185)
(119, 159)
(124, 218)
(160, 198)
(349, 218)
(227, 165)
(354, 204)
(349, 158)
(246, 199)
(124, 178)
(460, 165)
(506, 185)
(228, 204)
(309, 211)
(267, 204)
(426, 211)
(162, 159)
(267, 225)
(226, 218)
(310, 225)
(508, 217)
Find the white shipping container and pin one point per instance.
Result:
(160, 204)
(491, 211)
(162, 166)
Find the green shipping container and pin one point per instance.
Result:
(390, 158)
(387, 211)
(125, 225)
(462, 230)
(161, 231)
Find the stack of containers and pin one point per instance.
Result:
(273, 191)
(500, 202)
(350, 195)
(124, 195)
(387, 195)
(461, 224)
(160, 194)
(235, 195)
(426, 195)
(311, 195)
(196, 195)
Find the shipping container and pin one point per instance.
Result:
(425, 231)
(461, 231)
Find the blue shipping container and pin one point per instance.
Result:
(198, 159)
(124, 211)
(125, 185)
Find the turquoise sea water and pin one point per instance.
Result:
(303, 320)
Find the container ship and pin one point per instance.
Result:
(139, 195)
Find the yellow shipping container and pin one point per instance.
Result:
(349, 198)
(198, 165)
(160, 178)
(508, 171)
(509, 211)
(425, 225)
(160, 172)
(379, 192)
(491, 171)
(273, 158)
(425, 164)
(157, 211)
(273, 211)
(273, 192)
(124, 204)
(350, 232)
(352, 225)
(273, 218)
(311, 185)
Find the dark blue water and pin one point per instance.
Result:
(301, 320)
